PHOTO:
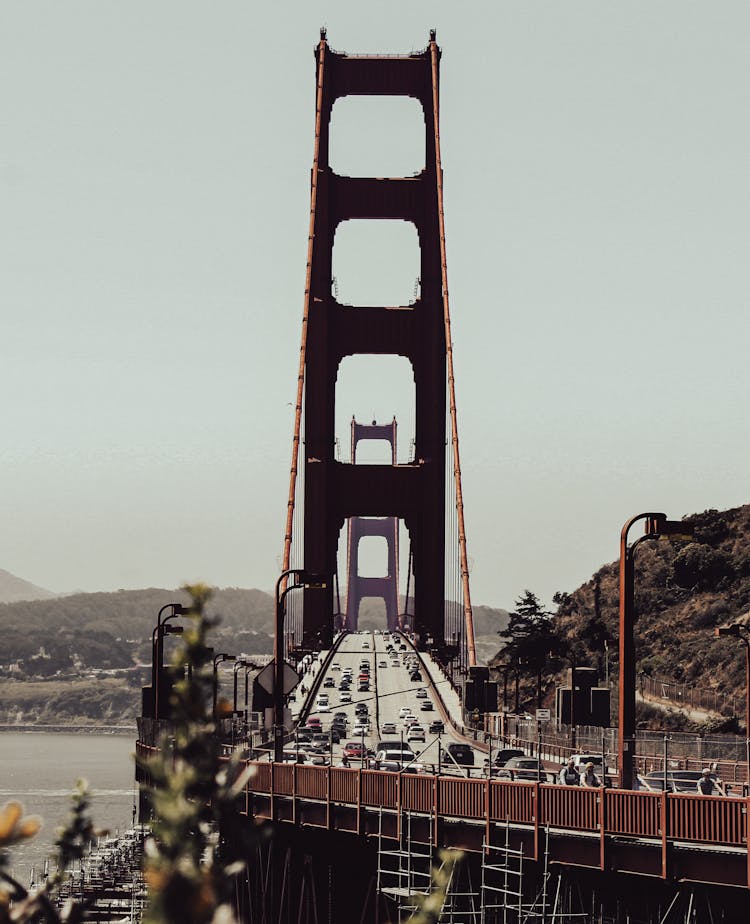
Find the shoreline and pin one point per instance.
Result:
(122, 730)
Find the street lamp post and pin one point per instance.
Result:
(157, 646)
(740, 631)
(240, 662)
(217, 661)
(657, 526)
(301, 579)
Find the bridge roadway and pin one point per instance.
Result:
(391, 690)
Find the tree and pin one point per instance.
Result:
(530, 637)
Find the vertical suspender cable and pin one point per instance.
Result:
(303, 345)
(449, 356)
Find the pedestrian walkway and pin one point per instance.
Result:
(444, 689)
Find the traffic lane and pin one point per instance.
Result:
(355, 648)
(397, 690)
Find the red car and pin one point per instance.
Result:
(314, 722)
(354, 749)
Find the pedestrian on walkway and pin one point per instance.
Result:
(706, 785)
(589, 778)
(569, 775)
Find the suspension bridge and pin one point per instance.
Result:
(356, 828)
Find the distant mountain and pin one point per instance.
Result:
(14, 589)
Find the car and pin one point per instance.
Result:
(399, 756)
(382, 664)
(313, 721)
(320, 760)
(365, 644)
(329, 682)
(354, 749)
(388, 728)
(501, 758)
(322, 707)
(335, 666)
(304, 734)
(346, 697)
(361, 728)
(340, 715)
(426, 706)
(363, 688)
(437, 727)
(526, 768)
(404, 711)
(293, 757)
(416, 733)
(677, 780)
(364, 676)
(410, 719)
(322, 699)
(345, 687)
(361, 708)
(415, 676)
(421, 694)
(461, 753)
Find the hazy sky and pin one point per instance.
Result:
(154, 194)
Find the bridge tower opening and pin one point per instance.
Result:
(413, 493)
(385, 586)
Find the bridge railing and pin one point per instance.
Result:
(714, 820)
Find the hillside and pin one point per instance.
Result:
(14, 589)
(683, 591)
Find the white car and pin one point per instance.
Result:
(421, 694)
(335, 666)
(388, 728)
(410, 720)
(416, 733)
(404, 711)
(361, 728)
(346, 697)
(322, 707)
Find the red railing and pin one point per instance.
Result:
(700, 819)
(633, 814)
(512, 802)
(707, 820)
(569, 807)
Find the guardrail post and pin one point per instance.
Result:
(435, 806)
(487, 804)
(328, 797)
(359, 800)
(294, 793)
(273, 801)
(664, 843)
(398, 809)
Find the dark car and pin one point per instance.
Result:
(361, 709)
(415, 676)
(427, 706)
(461, 754)
(329, 682)
(505, 754)
(436, 727)
(526, 769)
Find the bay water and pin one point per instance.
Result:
(40, 771)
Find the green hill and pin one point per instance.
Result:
(683, 591)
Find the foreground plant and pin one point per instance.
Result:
(17, 904)
(199, 839)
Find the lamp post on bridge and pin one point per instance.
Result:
(740, 631)
(217, 661)
(656, 526)
(302, 578)
(157, 646)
